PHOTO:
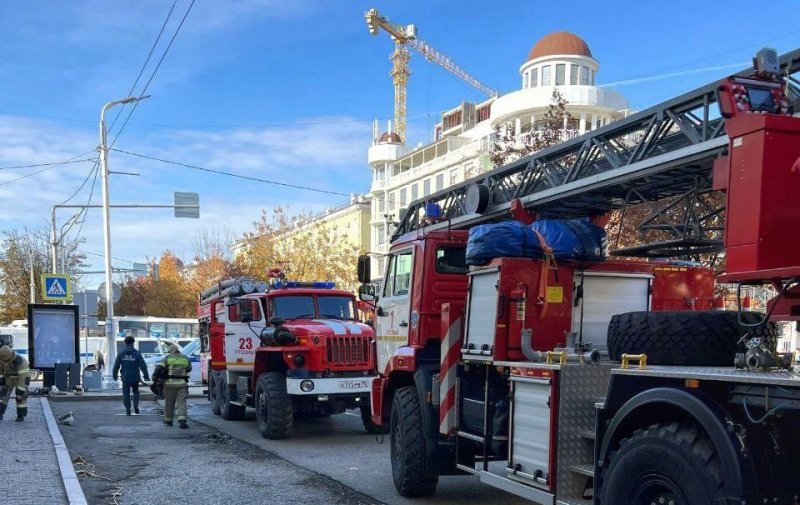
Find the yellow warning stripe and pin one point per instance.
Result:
(391, 338)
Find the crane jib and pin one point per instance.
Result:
(659, 152)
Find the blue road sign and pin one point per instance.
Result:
(56, 287)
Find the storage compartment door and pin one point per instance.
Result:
(530, 443)
(605, 295)
(481, 312)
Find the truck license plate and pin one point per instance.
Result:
(353, 384)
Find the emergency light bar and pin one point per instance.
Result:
(306, 284)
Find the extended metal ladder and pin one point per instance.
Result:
(659, 152)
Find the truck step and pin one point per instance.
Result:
(587, 470)
(465, 468)
(470, 436)
(588, 434)
(574, 501)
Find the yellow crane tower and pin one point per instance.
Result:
(403, 37)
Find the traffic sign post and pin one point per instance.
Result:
(56, 287)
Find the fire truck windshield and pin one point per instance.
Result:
(338, 307)
(302, 306)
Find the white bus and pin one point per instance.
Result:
(153, 334)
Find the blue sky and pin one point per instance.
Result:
(286, 90)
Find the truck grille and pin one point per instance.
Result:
(348, 351)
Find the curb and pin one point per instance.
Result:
(72, 486)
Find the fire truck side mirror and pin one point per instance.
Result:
(363, 269)
(245, 313)
(366, 293)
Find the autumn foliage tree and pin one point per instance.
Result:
(305, 249)
(19, 251)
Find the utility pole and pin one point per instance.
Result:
(33, 282)
(103, 148)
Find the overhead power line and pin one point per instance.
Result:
(144, 65)
(48, 167)
(85, 180)
(230, 174)
(53, 164)
(153, 74)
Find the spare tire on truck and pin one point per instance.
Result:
(686, 338)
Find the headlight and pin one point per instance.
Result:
(306, 386)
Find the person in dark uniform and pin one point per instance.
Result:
(131, 362)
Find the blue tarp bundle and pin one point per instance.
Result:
(570, 239)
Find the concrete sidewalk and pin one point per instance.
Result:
(36, 465)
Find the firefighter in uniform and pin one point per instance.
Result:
(15, 375)
(176, 387)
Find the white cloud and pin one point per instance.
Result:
(329, 153)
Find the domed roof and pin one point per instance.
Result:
(560, 43)
(391, 138)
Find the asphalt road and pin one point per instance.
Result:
(339, 448)
(137, 460)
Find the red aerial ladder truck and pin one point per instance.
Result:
(285, 347)
(519, 370)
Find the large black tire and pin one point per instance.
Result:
(672, 463)
(225, 392)
(688, 338)
(274, 411)
(410, 465)
(366, 419)
(213, 395)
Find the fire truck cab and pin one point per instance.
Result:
(285, 348)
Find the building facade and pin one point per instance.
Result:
(464, 136)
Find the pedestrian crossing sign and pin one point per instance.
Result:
(56, 287)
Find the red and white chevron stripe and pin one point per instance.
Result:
(452, 322)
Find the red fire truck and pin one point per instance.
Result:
(606, 383)
(285, 348)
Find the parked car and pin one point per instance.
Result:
(191, 350)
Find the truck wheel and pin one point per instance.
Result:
(366, 419)
(688, 338)
(224, 393)
(213, 394)
(673, 463)
(274, 411)
(409, 461)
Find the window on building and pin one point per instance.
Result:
(380, 174)
(469, 169)
(439, 182)
(414, 192)
(381, 204)
(573, 74)
(392, 201)
(546, 75)
(453, 176)
(591, 77)
(426, 187)
(534, 77)
(584, 75)
(561, 70)
(403, 193)
(525, 84)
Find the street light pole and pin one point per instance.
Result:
(103, 148)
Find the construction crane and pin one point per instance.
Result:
(405, 36)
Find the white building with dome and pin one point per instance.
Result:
(463, 138)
